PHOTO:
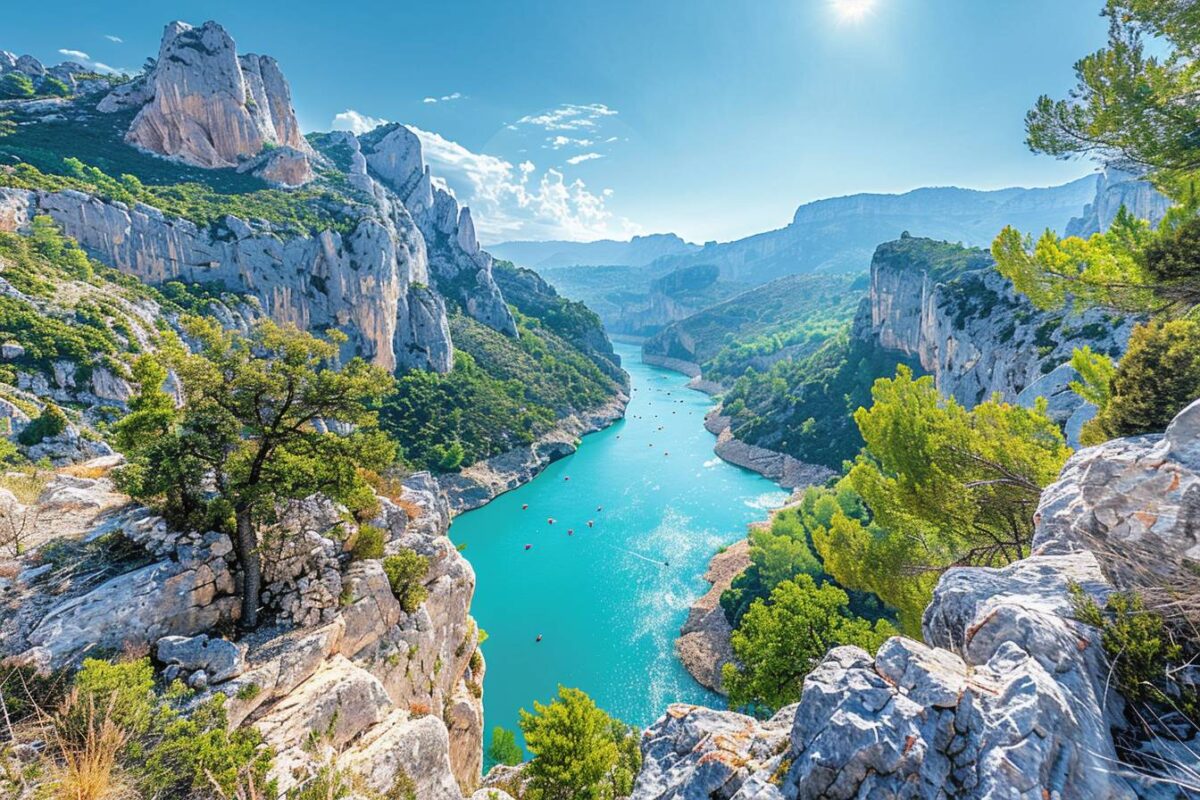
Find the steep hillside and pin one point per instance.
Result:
(942, 309)
(784, 319)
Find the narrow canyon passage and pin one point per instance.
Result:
(608, 600)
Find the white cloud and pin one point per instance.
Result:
(569, 117)
(353, 121)
(560, 141)
(513, 202)
(114, 39)
(446, 98)
(582, 157)
(96, 66)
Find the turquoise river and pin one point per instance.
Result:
(608, 600)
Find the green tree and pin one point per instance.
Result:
(579, 752)
(16, 85)
(255, 422)
(151, 410)
(1132, 110)
(779, 641)
(945, 487)
(1095, 373)
(51, 422)
(504, 748)
(1158, 377)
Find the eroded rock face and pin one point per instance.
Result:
(1115, 189)
(370, 283)
(976, 335)
(462, 270)
(1008, 697)
(205, 105)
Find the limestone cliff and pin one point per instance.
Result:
(1115, 189)
(975, 334)
(384, 690)
(1009, 696)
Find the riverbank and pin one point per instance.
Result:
(485, 480)
(703, 643)
(786, 471)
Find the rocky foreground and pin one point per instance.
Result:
(389, 693)
(1008, 697)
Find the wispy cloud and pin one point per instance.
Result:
(446, 98)
(569, 117)
(355, 122)
(86, 60)
(114, 39)
(582, 157)
(560, 141)
(513, 201)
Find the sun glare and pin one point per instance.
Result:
(852, 10)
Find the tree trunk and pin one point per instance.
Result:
(251, 582)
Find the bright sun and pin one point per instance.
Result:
(852, 10)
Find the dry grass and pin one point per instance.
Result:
(87, 766)
(85, 471)
(26, 484)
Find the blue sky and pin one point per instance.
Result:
(709, 118)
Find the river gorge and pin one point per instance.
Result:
(607, 599)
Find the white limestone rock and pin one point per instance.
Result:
(206, 106)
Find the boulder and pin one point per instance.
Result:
(220, 659)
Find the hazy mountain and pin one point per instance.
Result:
(636, 252)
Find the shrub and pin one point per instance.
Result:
(405, 571)
(51, 422)
(16, 85)
(504, 748)
(1155, 380)
(368, 544)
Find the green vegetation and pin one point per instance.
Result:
(405, 573)
(51, 422)
(579, 752)
(1158, 376)
(297, 211)
(783, 550)
(1134, 111)
(248, 422)
(16, 85)
(368, 544)
(779, 641)
(1141, 649)
(945, 487)
(793, 314)
(502, 393)
(803, 407)
(114, 733)
(504, 748)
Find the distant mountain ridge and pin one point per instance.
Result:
(839, 234)
(638, 251)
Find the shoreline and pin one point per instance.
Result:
(703, 645)
(484, 481)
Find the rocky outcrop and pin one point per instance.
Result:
(205, 105)
(389, 694)
(1115, 189)
(786, 471)
(370, 282)
(703, 644)
(974, 333)
(1009, 696)
(484, 480)
(461, 269)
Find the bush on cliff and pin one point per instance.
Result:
(406, 572)
(116, 734)
(51, 422)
